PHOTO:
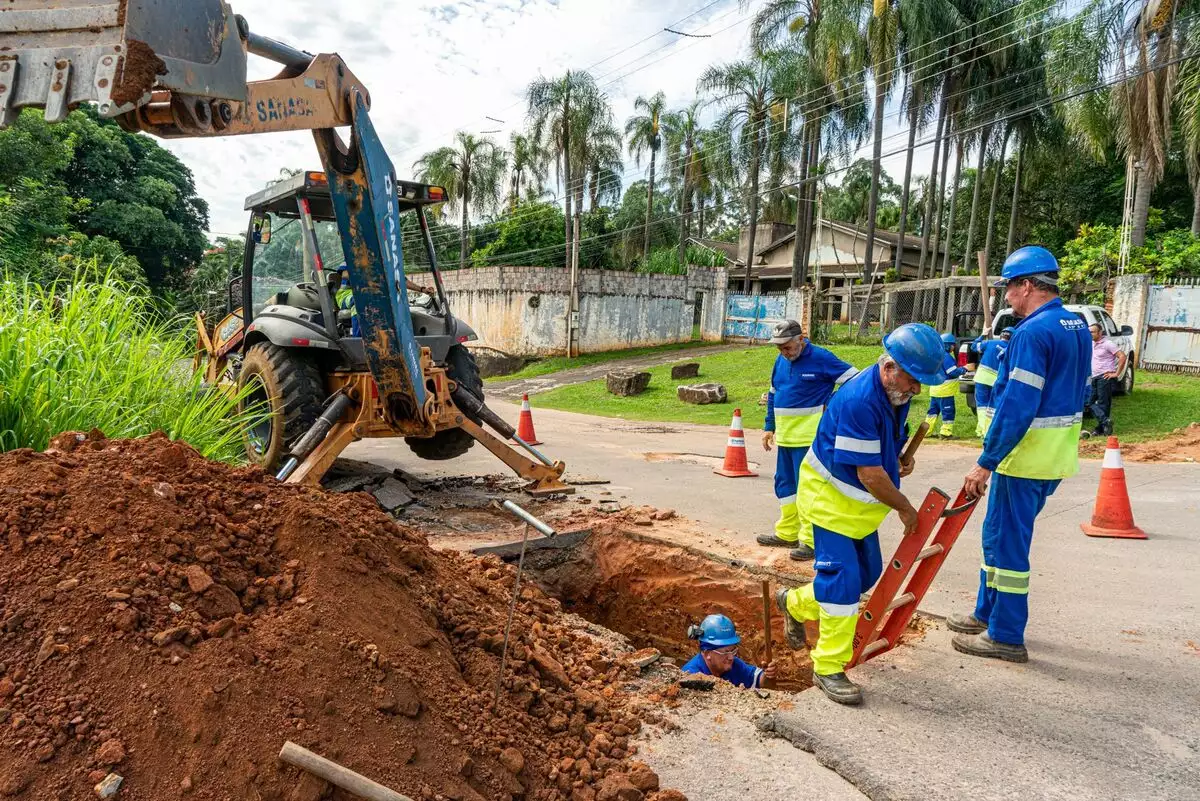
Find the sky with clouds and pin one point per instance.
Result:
(436, 67)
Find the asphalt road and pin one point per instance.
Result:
(1107, 706)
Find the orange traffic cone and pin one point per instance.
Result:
(525, 424)
(1113, 516)
(735, 451)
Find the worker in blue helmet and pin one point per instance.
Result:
(941, 396)
(849, 481)
(1032, 444)
(991, 351)
(719, 654)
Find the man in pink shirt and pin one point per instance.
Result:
(1107, 363)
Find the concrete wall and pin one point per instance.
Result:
(523, 310)
(1129, 300)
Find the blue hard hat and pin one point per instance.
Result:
(1028, 262)
(1008, 329)
(948, 339)
(917, 348)
(716, 631)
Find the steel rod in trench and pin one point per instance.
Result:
(512, 607)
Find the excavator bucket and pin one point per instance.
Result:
(55, 54)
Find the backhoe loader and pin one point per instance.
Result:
(176, 69)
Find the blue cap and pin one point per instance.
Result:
(715, 631)
(917, 348)
(948, 339)
(1030, 261)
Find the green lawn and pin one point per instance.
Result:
(556, 364)
(1159, 404)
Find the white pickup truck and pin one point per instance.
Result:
(1122, 336)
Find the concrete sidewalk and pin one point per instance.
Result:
(1105, 709)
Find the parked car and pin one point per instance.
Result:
(1122, 336)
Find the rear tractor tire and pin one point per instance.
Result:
(288, 386)
(453, 442)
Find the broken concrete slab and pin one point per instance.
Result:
(627, 384)
(392, 495)
(685, 370)
(702, 394)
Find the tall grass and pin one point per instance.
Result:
(93, 353)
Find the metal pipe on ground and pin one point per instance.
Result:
(337, 775)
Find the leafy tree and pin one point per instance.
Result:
(851, 201)
(472, 173)
(532, 235)
(644, 129)
(630, 219)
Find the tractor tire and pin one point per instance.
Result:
(453, 442)
(291, 386)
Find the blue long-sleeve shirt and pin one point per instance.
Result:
(799, 391)
(1038, 397)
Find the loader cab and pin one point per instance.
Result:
(293, 266)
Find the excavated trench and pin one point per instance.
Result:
(651, 590)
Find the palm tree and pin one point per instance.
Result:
(883, 29)
(472, 173)
(747, 90)
(1136, 113)
(1188, 99)
(597, 157)
(553, 107)
(528, 168)
(643, 130)
(683, 137)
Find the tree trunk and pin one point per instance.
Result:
(649, 204)
(566, 163)
(1016, 197)
(931, 189)
(683, 204)
(872, 208)
(799, 268)
(991, 226)
(908, 160)
(958, 155)
(1196, 208)
(941, 202)
(810, 195)
(1141, 206)
(755, 160)
(983, 143)
(466, 203)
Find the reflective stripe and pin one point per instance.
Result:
(846, 376)
(1112, 459)
(788, 501)
(838, 610)
(1010, 581)
(986, 376)
(853, 493)
(798, 411)
(1026, 377)
(1062, 421)
(856, 445)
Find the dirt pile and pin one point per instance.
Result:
(1183, 445)
(175, 621)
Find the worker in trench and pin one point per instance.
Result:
(849, 481)
(803, 379)
(719, 655)
(1031, 445)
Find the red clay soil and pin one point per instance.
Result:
(1183, 445)
(175, 621)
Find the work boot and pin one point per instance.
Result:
(774, 541)
(966, 624)
(802, 553)
(983, 645)
(796, 638)
(839, 688)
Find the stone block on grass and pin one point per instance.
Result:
(702, 394)
(627, 384)
(685, 370)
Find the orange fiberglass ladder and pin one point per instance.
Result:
(888, 611)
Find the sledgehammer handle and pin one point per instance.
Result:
(910, 450)
(335, 774)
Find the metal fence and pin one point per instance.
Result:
(952, 304)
